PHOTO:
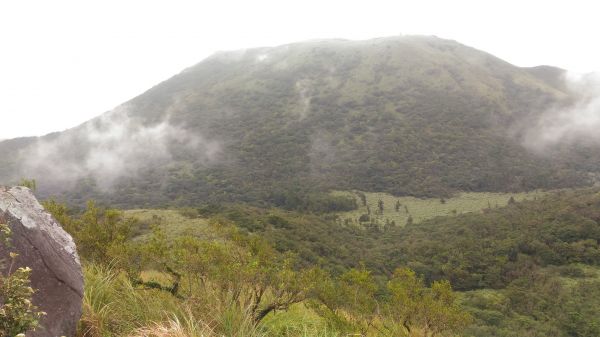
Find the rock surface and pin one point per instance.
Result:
(50, 252)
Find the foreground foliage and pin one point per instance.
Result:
(231, 283)
(17, 313)
(516, 265)
(530, 268)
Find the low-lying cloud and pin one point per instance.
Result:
(112, 147)
(578, 123)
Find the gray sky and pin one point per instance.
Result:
(64, 62)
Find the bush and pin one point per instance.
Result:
(17, 313)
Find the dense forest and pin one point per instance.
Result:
(418, 116)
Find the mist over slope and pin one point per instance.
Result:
(410, 115)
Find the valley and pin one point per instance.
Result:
(403, 186)
(525, 266)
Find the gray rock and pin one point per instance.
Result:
(50, 252)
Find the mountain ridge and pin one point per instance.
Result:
(409, 115)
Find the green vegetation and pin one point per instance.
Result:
(334, 188)
(17, 314)
(530, 267)
(316, 239)
(383, 208)
(228, 282)
(174, 223)
(408, 116)
(29, 183)
(491, 249)
(531, 261)
(556, 301)
(542, 251)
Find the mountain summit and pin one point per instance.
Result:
(410, 115)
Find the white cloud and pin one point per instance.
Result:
(579, 122)
(111, 147)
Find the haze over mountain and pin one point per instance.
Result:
(409, 115)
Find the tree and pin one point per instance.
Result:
(351, 297)
(389, 225)
(405, 289)
(60, 212)
(441, 312)
(242, 271)
(380, 206)
(414, 306)
(398, 205)
(101, 234)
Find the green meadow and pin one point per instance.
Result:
(174, 223)
(421, 209)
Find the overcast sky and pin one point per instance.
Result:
(64, 62)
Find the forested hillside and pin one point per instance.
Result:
(412, 116)
(522, 268)
(530, 268)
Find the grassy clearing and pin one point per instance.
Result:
(426, 208)
(172, 222)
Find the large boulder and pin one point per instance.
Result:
(50, 252)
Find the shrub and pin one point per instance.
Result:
(17, 313)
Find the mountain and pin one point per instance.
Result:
(530, 268)
(411, 115)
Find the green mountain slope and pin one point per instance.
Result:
(530, 268)
(541, 258)
(417, 116)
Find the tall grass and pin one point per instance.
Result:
(113, 306)
(299, 321)
(175, 327)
